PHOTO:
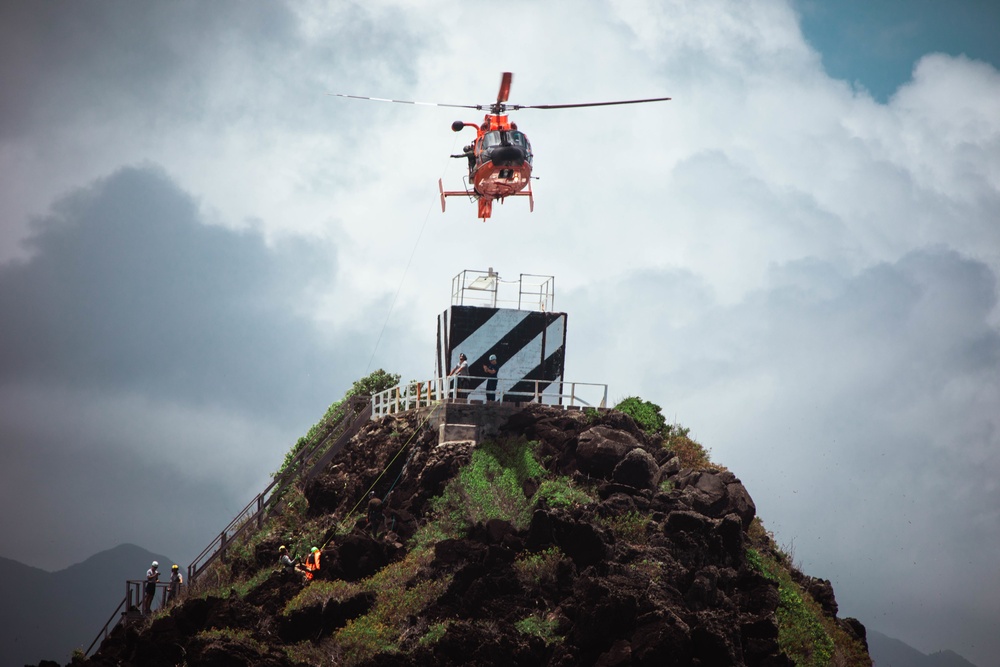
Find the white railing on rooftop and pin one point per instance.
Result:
(411, 395)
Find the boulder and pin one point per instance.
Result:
(637, 469)
(600, 449)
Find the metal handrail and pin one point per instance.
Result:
(411, 395)
(133, 594)
(255, 510)
(103, 633)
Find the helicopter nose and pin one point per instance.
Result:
(508, 156)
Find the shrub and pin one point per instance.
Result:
(535, 569)
(676, 438)
(690, 452)
(373, 383)
(647, 415)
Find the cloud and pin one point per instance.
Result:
(859, 409)
(128, 290)
(144, 353)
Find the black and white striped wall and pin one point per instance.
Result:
(529, 345)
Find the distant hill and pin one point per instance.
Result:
(45, 615)
(889, 652)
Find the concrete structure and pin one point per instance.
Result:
(528, 339)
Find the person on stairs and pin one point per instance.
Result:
(174, 589)
(152, 576)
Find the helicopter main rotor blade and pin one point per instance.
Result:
(584, 104)
(504, 93)
(478, 107)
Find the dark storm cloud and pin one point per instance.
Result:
(112, 57)
(215, 62)
(127, 290)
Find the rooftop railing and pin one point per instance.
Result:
(473, 389)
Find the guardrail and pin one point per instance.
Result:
(471, 388)
(353, 413)
(131, 603)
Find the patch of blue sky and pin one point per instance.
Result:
(874, 44)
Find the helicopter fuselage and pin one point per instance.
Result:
(500, 158)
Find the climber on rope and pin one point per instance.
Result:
(374, 514)
(311, 566)
(286, 562)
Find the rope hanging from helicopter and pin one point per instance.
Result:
(406, 270)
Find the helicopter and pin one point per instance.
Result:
(500, 157)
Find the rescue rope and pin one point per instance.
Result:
(406, 270)
(384, 470)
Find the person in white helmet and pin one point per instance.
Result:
(490, 369)
(152, 576)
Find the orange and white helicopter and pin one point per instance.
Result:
(500, 157)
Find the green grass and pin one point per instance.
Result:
(562, 492)
(230, 635)
(629, 527)
(538, 626)
(434, 633)
(534, 569)
(491, 486)
(807, 635)
(321, 592)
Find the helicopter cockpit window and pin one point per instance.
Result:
(491, 139)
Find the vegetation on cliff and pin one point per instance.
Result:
(597, 537)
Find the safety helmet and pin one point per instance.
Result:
(175, 567)
(314, 550)
(493, 357)
(155, 564)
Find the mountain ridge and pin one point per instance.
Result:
(49, 614)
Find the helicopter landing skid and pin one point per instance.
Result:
(485, 203)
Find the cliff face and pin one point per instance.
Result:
(569, 539)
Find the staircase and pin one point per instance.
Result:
(308, 462)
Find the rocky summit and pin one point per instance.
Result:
(564, 538)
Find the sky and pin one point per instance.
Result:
(796, 257)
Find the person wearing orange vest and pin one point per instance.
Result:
(312, 563)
